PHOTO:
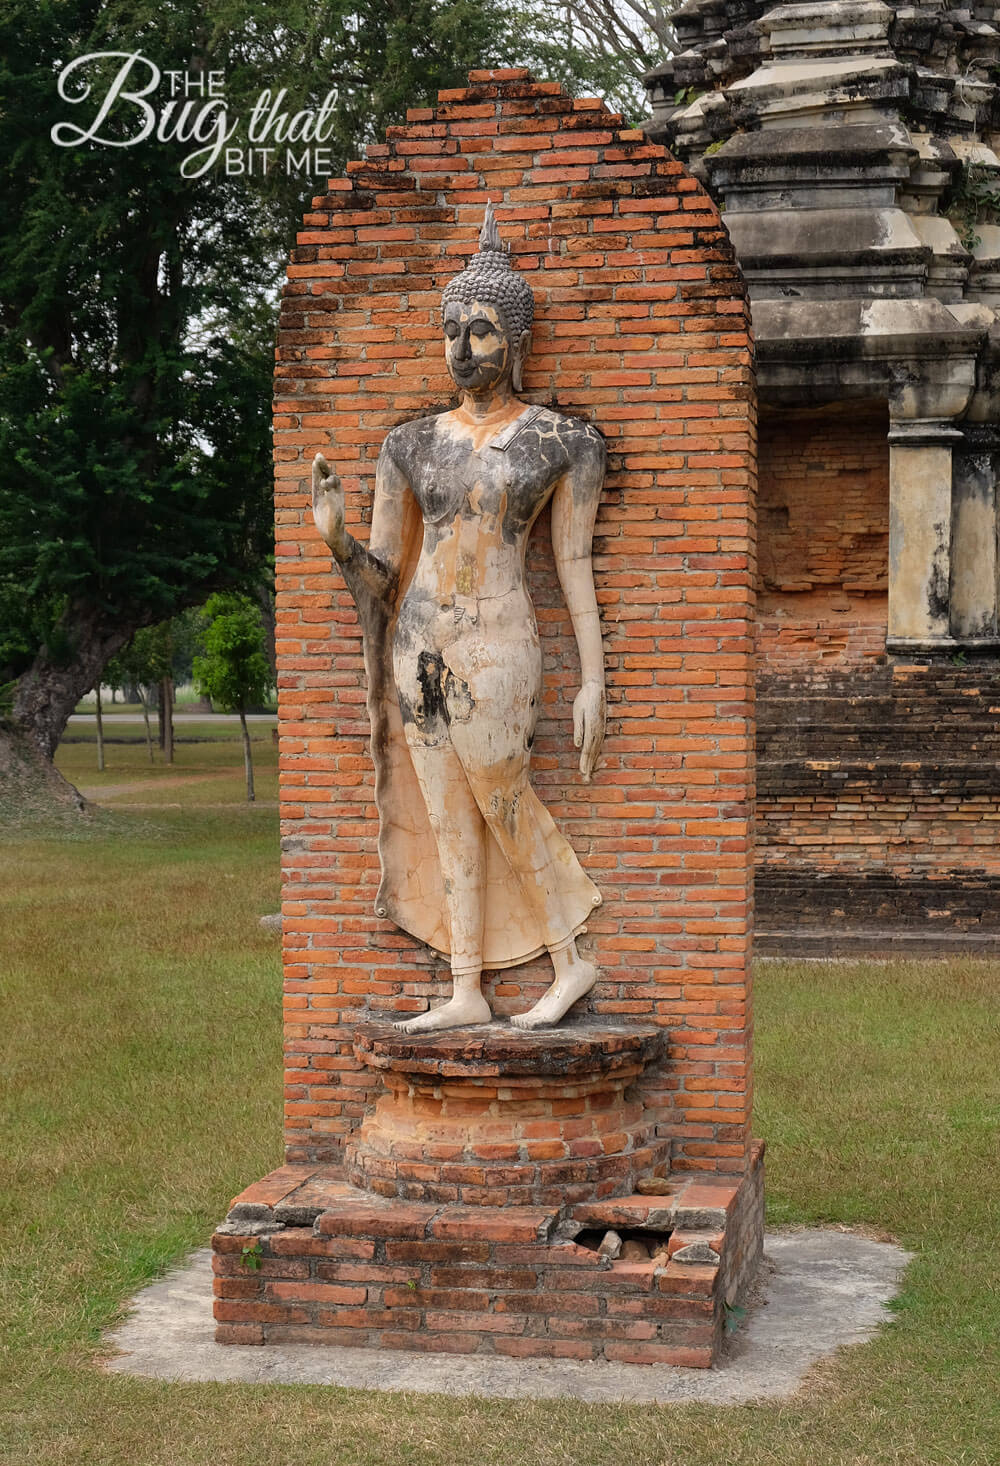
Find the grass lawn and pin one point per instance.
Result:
(207, 766)
(142, 1075)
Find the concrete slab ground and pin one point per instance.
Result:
(819, 1290)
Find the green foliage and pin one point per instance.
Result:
(137, 306)
(165, 650)
(252, 1256)
(975, 199)
(233, 670)
(133, 454)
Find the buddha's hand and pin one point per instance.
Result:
(328, 508)
(589, 718)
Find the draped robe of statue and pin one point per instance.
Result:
(453, 662)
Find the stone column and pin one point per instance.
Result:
(975, 564)
(928, 395)
(920, 532)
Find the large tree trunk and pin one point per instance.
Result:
(49, 691)
(32, 790)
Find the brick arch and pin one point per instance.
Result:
(642, 327)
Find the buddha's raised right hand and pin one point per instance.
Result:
(328, 508)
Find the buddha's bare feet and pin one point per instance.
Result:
(560, 997)
(462, 1009)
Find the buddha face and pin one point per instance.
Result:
(477, 350)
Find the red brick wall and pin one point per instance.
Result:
(878, 785)
(642, 327)
(823, 537)
(879, 800)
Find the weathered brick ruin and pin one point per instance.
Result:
(850, 148)
(443, 1194)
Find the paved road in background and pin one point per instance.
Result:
(178, 717)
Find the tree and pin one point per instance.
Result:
(234, 670)
(133, 456)
(131, 669)
(157, 657)
(614, 41)
(137, 310)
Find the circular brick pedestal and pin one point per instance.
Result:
(492, 1116)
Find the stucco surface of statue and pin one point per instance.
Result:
(472, 862)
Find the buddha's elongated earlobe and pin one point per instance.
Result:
(521, 351)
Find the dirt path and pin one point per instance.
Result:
(99, 792)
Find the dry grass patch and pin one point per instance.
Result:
(207, 766)
(141, 1053)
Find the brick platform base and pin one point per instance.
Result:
(304, 1257)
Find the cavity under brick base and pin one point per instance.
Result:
(305, 1257)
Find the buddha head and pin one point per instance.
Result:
(488, 310)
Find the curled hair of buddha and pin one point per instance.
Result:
(491, 277)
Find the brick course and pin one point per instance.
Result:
(824, 539)
(879, 802)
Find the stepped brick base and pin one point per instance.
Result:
(305, 1257)
(492, 1116)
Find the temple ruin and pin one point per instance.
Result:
(850, 148)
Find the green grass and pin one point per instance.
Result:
(141, 1065)
(207, 766)
(186, 699)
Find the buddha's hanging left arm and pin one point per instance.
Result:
(574, 512)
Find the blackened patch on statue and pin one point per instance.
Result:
(531, 475)
(529, 732)
(373, 614)
(458, 701)
(581, 442)
(522, 462)
(436, 468)
(430, 675)
(540, 452)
